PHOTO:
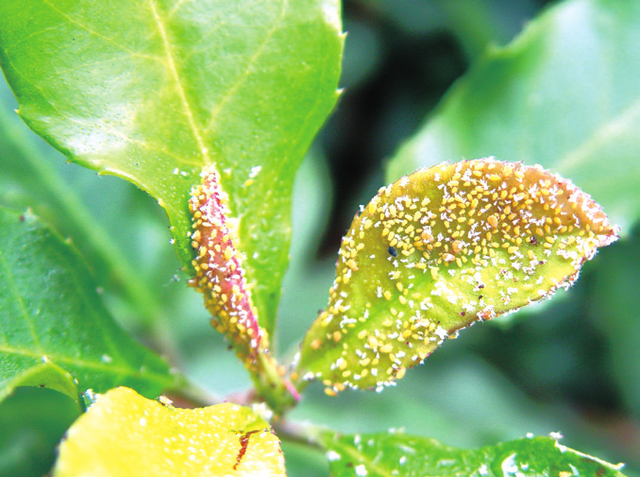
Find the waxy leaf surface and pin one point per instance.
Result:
(126, 434)
(153, 91)
(564, 94)
(438, 250)
(54, 328)
(396, 454)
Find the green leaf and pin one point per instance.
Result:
(54, 329)
(46, 374)
(397, 454)
(153, 91)
(126, 434)
(565, 94)
(438, 250)
(27, 179)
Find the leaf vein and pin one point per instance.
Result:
(361, 457)
(10, 279)
(84, 27)
(173, 69)
(215, 113)
(122, 368)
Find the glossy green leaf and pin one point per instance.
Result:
(438, 250)
(565, 94)
(54, 329)
(126, 434)
(397, 454)
(27, 373)
(153, 91)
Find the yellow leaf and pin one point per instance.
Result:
(125, 434)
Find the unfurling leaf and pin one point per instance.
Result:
(438, 250)
(221, 278)
(220, 275)
(126, 434)
(382, 455)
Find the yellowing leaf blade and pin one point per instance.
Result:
(440, 249)
(126, 434)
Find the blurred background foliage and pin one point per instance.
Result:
(568, 365)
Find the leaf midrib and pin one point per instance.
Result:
(38, 350)
(198, 131)
(9, 278)
(178, 80)
(120, 368)
(362, 458)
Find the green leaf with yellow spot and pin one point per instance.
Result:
(126, 434)
(397, 454)
(438, 250)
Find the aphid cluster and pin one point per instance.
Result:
(438, 250)
(220, 276)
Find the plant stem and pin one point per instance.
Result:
(192, 394)
(272, 385)
(304, 434)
